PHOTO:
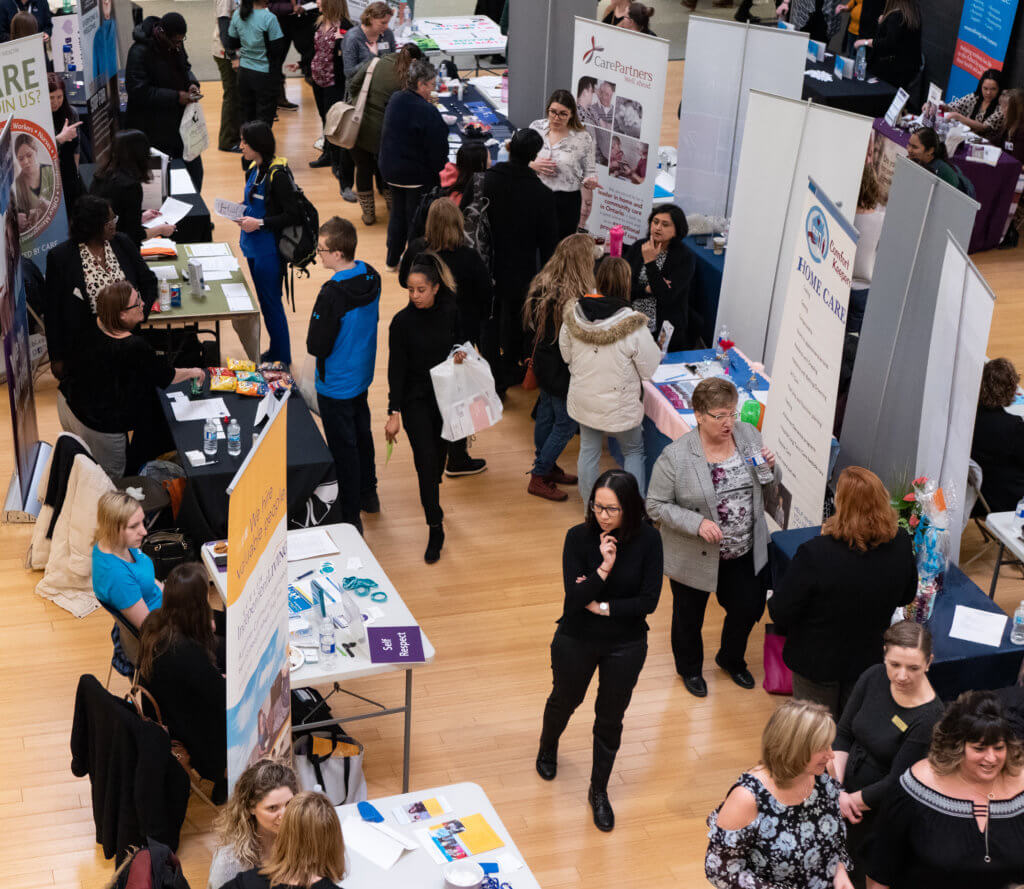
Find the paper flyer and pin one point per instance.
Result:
(459, 838)
(421, 810)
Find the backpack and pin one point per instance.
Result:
(153, 866)
(297, 243)
(478, 223)
(419, 219)
(962, 182)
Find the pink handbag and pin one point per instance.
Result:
(778, 678)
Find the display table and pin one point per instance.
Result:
(204, 509)
(395, 614)
(489, 86)
(994, 188)
(213, 307)
(1003, 526)
(859, 96)
(959, 665)
(707, 281)
(418, 869)
(474, 103)
(474, 35)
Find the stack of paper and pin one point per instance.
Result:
(172, 211)
(459, 838)
(218, 249)
(238, 297)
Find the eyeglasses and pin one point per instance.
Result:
(113, 221)
(727, 415)
(324, 250)
(561, 115)
(134, 305)
(610, 511)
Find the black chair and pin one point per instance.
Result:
(129, 639)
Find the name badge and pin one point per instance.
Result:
(899, 723)
(1008, 146)
(256, 197)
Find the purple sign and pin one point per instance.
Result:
(395, 645)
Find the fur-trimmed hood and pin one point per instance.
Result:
(603, 331)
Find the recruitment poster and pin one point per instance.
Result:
(38, 193)
(805, 375)
(14, 328)
(618, 78)
(985, 28)
(98, 30)
(258, 690)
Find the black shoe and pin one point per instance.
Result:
(696, 686)
(286, 105)
(369, 502)
(434, 544)
(604, 817)
(234, 149)
(547, 764)
(1011, 240)
(469, 466)
(742, 678)
(323, 161)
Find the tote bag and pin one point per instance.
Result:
(341, 126)
(194, 137)
(778, 679)
(465, 394)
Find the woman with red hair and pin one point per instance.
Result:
(839, 592)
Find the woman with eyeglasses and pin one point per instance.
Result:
(566, 160)
(611, 572)
(705, 493)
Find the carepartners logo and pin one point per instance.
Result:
(593, 51)
(817, 234)
(594, 55)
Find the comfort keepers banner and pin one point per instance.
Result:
(618, 78)
(258, 688)
(38, 192)
(805, 377)
(985, 28)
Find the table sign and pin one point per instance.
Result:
(934, 94)
(892, 116)
(394, 645)
(974, 625)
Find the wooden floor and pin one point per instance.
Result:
(489, 607)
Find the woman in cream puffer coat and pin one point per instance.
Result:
(610, 352)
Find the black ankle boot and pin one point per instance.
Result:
(323, 161)
(604, 817)
(547, 764)
(434, 544)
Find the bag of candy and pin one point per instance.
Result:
(223, 382)
(251, 387)
(237, 364)
(249, 376)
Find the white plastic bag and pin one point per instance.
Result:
(194, 137)
(465, 394)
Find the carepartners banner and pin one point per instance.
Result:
(38, 191)
(805, 375)
(619, 80)
(985, 29)
(258, 690)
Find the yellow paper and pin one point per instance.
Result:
(433, 807)
(478, 836)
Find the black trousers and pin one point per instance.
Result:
(342, 164)
(567, 212)
(366, 167)
(740, 592)
(257, 95)
(573, 662)
(347, 430)
(422, 422)
(404, 202)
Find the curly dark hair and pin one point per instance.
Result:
(976, 717)
(998, 383)
(89, 219)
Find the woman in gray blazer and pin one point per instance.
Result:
(705, 494)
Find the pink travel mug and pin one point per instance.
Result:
(615, 234)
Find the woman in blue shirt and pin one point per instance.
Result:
(255, 31)
(122, 575)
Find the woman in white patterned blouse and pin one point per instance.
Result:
(979, 110)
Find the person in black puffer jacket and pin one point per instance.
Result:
(160, 85)
(565, 278)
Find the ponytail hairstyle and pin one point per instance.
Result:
(640, 15)
(436, 271)
(404, 58)
(930, 140)
(245, 9)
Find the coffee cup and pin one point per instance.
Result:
(463, 875)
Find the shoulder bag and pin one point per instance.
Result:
(341, 126)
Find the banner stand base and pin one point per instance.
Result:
(16, 512)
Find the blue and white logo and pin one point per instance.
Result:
(817, 234)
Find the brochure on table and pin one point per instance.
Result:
(985, 29)
(623, 118)
(40, 217)
(258, 687)
(805, 376)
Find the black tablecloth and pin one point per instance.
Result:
(859, 96)
(473, 102)
(204, 512)
(959, 665)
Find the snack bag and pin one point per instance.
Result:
(223, 383)
(251, 387)
(220, 372)
(277, 366)
(249, 376)
(237, 364)
(281, 385)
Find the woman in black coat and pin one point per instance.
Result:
(998, 445)
(663, 272)
(77, 269)
(837, 597)
(895, 55)
(65, 128)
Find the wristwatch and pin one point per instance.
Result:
(603, 606)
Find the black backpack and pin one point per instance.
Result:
(297, 243)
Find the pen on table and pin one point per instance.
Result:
(302, 576)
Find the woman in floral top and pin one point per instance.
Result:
(328, 74)
(780, 826)
(566, 162)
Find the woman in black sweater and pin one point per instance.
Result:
(120, 182)
(611, 571)
(421, 336)
(895, 55)
(178, 666)
(886, 728)
(839, 592)
(998, 444)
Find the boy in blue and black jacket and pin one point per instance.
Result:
(343, 339)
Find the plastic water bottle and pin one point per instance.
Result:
(504, 87)
(164, 290)
(210, 437)
(860, 67)
(328, 652)
(1020, 517)
(1017, 633)
(502, 153)
(615, 235)
(439, 84)
(234, 438)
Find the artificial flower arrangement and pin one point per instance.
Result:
(922, 512)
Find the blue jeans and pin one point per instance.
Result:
(592, 443)
(552, 431)
(347, 430)
(267, 272)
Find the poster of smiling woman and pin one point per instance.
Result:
(37, 191)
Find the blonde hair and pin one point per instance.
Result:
(376, 10)
(113, 512)
(445, 226)
(332, 12)
(795, 732)
(236, 824)
(111, 301)
(567, 276)
(309, 843)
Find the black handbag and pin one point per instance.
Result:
(168, 549)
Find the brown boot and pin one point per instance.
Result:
(368, 206)
(559, 476)
(541, 487)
